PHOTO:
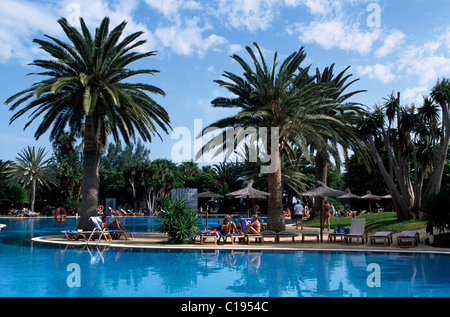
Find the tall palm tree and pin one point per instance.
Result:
(85, 91)
(281, 97)
(31, 169)
(345, 135)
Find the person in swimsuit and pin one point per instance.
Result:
(114, 225)
(254, 226)
(326, 214)
(227, 226)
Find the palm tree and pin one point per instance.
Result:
(281, 97)
(85, 91)
(345, 135)
(31, 169)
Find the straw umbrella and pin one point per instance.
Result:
(322, 191)
(348, 196)
(211, 195)
(369, 196)
(248, 193)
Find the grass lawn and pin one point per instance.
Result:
(384, 221)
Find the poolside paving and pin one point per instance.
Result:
(158, 240)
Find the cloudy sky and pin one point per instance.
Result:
(391, 46)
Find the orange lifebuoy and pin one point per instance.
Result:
(306, 210)
(60, 215)
(100, 208)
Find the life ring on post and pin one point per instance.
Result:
(100, 208)
(60, 215)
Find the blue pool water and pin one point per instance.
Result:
(37, 269)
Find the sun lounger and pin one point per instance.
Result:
(248, 235)
(386, 236)
(357, 230)
(99, 231)
(270, 234)
(205, 235)
(310, 233)
(76, 234)
(339, 232)
(232, 237)
(256, 236)
(285, 234)
(408, 236)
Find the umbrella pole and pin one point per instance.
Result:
(206, 224)
(321, 226)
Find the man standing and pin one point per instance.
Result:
(298, 214)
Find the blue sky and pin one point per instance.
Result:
(391, 46)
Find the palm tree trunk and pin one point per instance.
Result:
(91, 177)
(33, 194)
(275, 215)
(321, 171)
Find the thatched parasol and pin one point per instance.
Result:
(208, 194)
(248, 193)
(349, 195)
(369, 196)
(322, 191)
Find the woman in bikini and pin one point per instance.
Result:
(227, 226)
(254, 226)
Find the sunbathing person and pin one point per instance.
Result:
(228, 226)
(114, 225)
(254, 226)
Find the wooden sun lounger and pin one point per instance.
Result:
(270, 234)
(408, 236)
(357, 230)
(256, 236)
(208, 235)
(232, 236)
(285, 234)
(76, 235)
(386, 236)
(310, 233)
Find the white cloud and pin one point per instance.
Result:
(23, 20)
(424, 62)
(338, 34)
(381, 72)
(320, 7)
(188, 39)
(252, 15)
(171, 8)
(390, 43)
(414, 94)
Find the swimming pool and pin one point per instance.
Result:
(37, 269)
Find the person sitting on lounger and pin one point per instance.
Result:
(254, 226)
(228, 226)
(114, 225)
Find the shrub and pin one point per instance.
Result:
(177, 220)
(435, 206)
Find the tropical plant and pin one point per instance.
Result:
(435, 208)
(85, 91)
(158, 178)
(345, 137)
(280, 98)
(177, 220)
(31, 169)
(412, 141)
